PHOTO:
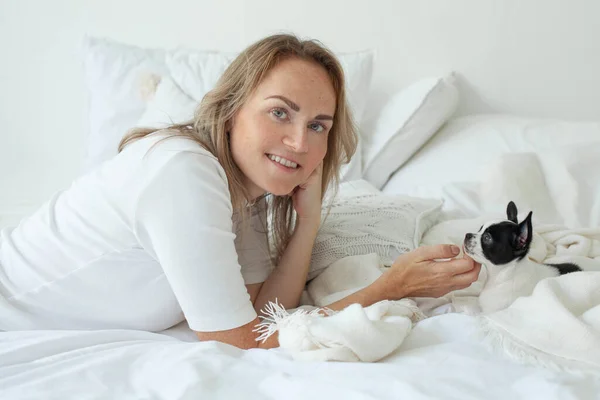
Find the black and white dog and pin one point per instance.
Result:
(503, 246)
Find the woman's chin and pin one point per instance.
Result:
(280, 190)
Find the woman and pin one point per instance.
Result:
(147, 239)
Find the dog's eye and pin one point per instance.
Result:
(487, 238)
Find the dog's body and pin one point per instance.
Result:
(506, 283)
(503, 246)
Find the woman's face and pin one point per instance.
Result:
(279, 136)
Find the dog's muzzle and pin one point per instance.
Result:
(469, 243)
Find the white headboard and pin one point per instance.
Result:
(537, 58)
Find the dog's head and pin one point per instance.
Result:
(500, 242)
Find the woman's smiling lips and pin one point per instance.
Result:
(284, 163)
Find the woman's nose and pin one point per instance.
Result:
(297, 139)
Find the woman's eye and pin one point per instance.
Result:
(317, 127)
(279, 113)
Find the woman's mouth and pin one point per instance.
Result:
(283, 162)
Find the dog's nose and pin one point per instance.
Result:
(469, 236)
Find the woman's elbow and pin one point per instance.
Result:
(242, 337)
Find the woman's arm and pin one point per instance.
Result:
(244, 337)
(414, 274)
(288, 279)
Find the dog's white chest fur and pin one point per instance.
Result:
(506, 283)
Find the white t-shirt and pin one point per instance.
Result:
(141, 242)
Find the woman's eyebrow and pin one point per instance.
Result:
(287, 101)
(296, 107)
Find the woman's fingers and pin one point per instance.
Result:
(440, 251)
(465, 279)
(425, 277)
(460, 266)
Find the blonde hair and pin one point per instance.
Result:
(217, 109)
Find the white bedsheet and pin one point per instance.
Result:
(439, 359)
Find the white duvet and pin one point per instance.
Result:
(439, 359)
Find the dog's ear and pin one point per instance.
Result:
(511, 212)
(525, 234)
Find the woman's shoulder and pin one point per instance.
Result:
(168, 154)
(159, 149)
(166, 142)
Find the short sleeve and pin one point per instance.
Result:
(252, 244)
(184, 219)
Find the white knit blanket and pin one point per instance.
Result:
(355, 333)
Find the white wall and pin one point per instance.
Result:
(531, 57)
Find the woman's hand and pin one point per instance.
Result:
(307, 196)
(418, 274)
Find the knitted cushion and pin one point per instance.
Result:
(362, 220)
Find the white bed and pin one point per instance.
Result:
(470, 164)
(440, 359)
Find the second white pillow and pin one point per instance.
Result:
(406, 122)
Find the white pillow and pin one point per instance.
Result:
(112, 75)
(405, 123)
(116, 77)
(169, 105)
(558, 174)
